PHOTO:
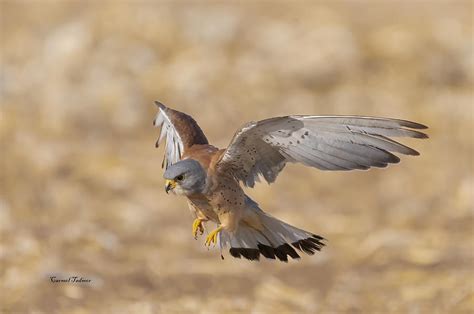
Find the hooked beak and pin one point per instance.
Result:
(169, 185)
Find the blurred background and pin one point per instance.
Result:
(81, 181)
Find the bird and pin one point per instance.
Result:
(213, 179)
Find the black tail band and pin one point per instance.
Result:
(309, 246)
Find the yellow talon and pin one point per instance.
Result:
(212, 237)
(197, 226)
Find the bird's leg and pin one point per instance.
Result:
(212, 237)
(197, 226)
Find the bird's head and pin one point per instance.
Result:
(186, 177)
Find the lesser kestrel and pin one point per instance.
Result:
(211, 179)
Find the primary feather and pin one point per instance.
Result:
(324, 142)
(180, 130)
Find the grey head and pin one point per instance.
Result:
(185, 177)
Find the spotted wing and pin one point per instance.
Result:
(180, 130)
(324, 142)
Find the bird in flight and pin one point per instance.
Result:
(211, 179)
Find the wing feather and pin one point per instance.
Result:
(324, 142)
(180, 131)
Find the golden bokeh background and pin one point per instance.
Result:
(81, 183)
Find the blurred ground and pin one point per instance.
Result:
(81, 187)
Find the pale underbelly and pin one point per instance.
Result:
(207, 209)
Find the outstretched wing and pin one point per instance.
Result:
(180, 130)
(325, 142)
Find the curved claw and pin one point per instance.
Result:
(212, 237)
(197, 226)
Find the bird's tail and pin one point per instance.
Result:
(274, 239)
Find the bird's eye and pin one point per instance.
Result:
(180, 178)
